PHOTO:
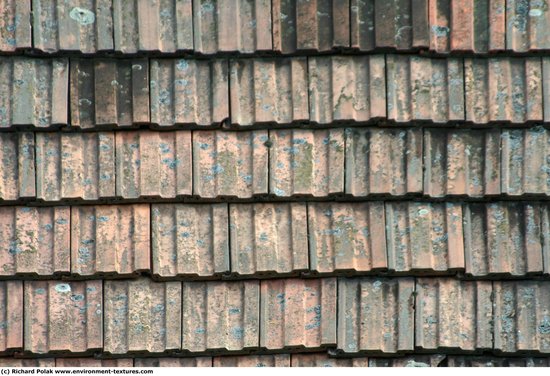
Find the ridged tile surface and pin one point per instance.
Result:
(486, 361)
(409, 361)
(15, 25)
(282, 360)
(90, 362)
(322, 360)
(15, 362)
(17, 175)
(173, 362)
(527, 25)
(11, 316)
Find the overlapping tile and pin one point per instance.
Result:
(527, 25)
(282, 360)
(11, 316)
(17, 175)
(15, 25)
(409, 361)
(487, 361)
(173, 362)
(18, 362)
(91, 362)
(322, 360)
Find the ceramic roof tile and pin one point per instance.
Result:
(421, 88)
(521, 318)
(545, 231)
(424, 237)
(527, 25)
(298, 313)
(15, 25)
(153, 164)
(317, 25)
(91, 362)
(142, 316)
(230, 164)
(11, 316)
(110, 240)
(220, 316)
(189, 92)
(486, 361)
(546, 88)
(72, 25)
(461, 162)
(347, 88)
(35, 241)
(228, 26)
(51, 307)
(322, 360)
(387, 161)
(34, 92)
(282, 360)
(453, 314)
(190, 240)
(347, 237)
(503, 238)
(173, 362)
(387, 327)
(17, 179)
(409, 361)
(109, 92)
(306, 162)
(75, 166)
(269, 90)
(144, 25)
(268, 239)
(503, 89)
(17, 362)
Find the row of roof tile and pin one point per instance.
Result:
(213, 241)
(366, 315)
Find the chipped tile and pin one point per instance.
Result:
(17, 178)
(282, 360)
(11, 316)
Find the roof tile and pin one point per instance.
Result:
(527, 24)
(91, 362)
(486, 361)
(18, 174)
(173, 362)
(409, 361)
(17, 362)
(322, 360)
(15, 25)
(11, 316)
(282, 360)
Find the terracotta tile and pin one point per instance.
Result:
(110, 239)
(52, 307)
(545, 231)
(269, 90)
(503, 238)
(17, 179)
(15, 25)
(546, 88)
(424, 237)
(228, 26)
(461, 162)
(426, 89)
(189, 92)
(109, 92)
(173, 362)
(387, 161)
(347, 88)
(34, 92)
(72, 25)
(268, 239)
(35, 241)
(298, 313)
(91, 362)
(16, 362)
(282, 360)
(316, 25)
(409, 361)
(153, 164)
(230, 164)
(453, 314)
(306, 162)
(144, 25)
(142, 316)
(521, 318)
(346, 237)
(77, 166)
(190, 240)
(322, 360)
(220, 316)
(503, 89)
(486, 361)
(11, 316)
(527, 25)
(375, 315)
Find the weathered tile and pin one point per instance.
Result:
(173, 362)
(347, 88)
(189, 92)
(268, 238)
(15, 25)
(75, 166)
(190, 240)
(462, 162)
(306, 162)
(282, 360)
(376, 315)
(220, 315)
(91, 362)
(11, 316)
(322, 360)
(269, 90)
(63, 316)
(34, 92)
(18, 362)
(424, 237)
(527, 25)
(298, 313)
(146, 25)
(110, 240)
(421, 88)
(486, 361)
(232, 26)
(109, 92)
(142, 316)
(453, 314)
(316, 25)
(35, 241)
(72, 25)
(383, 161)
(153, 164)
(545, 231)
(231, 164)
(409, 361)
(346, 237)
(17, 172)
(503, 89)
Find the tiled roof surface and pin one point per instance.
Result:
(290, 183)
